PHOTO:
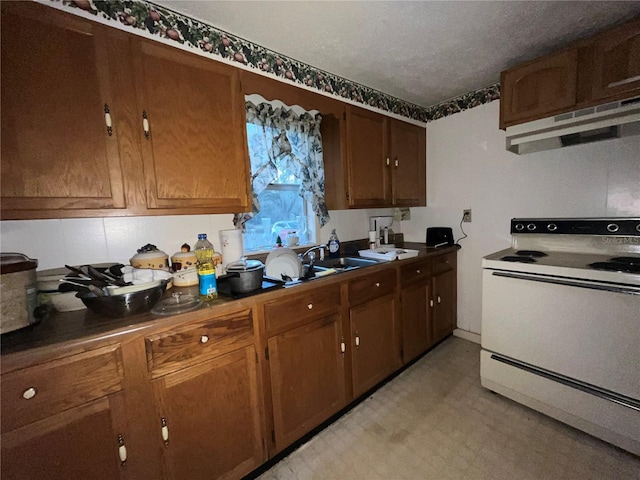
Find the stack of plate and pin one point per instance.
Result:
(283, 261)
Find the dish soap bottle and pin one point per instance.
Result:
(207, 285)
(334, 245)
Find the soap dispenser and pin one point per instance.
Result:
(334, 245)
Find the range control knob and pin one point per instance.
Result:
(531, 227)
(519, 227)
(552, 227)
(613, 227)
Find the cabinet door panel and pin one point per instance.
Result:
(616, 60)
(56, 150)
(373, 343)
(444, 299)
(416, 328)
(539, 88)
(307, 378)
(195, 155)
(80, 443)
(213, 418)
(369, 174)
(409, 162)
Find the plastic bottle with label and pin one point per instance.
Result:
(334, 245)
(207, 285)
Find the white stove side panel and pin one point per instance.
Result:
(585, 334)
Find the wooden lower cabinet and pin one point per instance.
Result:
(444, 300)
(307, 378)
(208, 418)
(80, 443)
(373, 342)
(416, 320)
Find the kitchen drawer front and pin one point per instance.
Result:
(444, 263)
(372, 286)
(198, 341)
(299, 308)
(37, 392)
(415, 272)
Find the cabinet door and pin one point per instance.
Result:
(539, 88)
(194, 149)
(368, 164)
(373, 342)
(306, 367)
(80, 443)
(616, 62)
(444, 298)
(409, 163)
(57, 151)
(211, 417)
(416, 327)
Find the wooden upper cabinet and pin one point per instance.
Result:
(57, 152)
(194, 149)
(616, 62)
(539, 88)
(369, 174)
(409, 163)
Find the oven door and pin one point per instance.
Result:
(581, 330)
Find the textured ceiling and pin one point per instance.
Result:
(424, 52)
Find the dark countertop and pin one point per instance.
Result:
(67, 328)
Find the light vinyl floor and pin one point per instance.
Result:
(435, 421)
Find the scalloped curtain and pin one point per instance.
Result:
(290, 142)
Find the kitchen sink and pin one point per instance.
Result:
(346, 263)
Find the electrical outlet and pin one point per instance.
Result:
(466, 215)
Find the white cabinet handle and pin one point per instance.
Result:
(204, 339)
(122, 451)
(357, 340)
(388, 162)
(431, 303)
(377, 284)
(164, 431)
(145, 125)
(343, 347)
(310, 306)
(29, 393)
(439, 300)
(107, 119)
(418, 271)
(396, 163)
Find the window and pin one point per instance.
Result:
(287, 177)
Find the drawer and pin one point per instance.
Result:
(294, 309)
(198, 341)
(372, 286)
(415, 271)
(443, 263)
(37, 392)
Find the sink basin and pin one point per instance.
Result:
(346, 263)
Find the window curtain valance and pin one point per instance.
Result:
(290, 142)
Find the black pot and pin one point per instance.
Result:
(245, 275)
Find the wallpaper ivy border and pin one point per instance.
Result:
(163, 22)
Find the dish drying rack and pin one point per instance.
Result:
(388, 254)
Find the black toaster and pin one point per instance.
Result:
(439, 236)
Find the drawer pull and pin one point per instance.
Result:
(29, 393)
(377, 284)
(310, 306)
(107, 120)
(204, 339)
(145, 125)
(164, 431)
(418, 271)
(122, 451)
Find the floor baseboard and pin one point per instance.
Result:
(472, 337)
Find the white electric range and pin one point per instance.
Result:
(561, 323)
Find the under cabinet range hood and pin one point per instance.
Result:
(610, 120)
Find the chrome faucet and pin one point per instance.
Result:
(311, 254)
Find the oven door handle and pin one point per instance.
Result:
(628, 290)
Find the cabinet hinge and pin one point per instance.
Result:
(266, 353)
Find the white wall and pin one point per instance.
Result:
(468, 167)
